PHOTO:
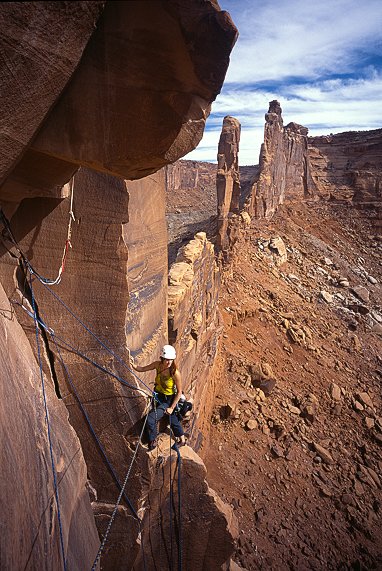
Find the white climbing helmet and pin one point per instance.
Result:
(168, 352)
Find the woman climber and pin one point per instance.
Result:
(168, 391)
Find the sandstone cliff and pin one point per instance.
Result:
(348, 165)
(128, 93)
(294, 167)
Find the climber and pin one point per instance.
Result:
(168, 392)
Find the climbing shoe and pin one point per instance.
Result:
(152, 444)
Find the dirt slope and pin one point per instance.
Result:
(302, 466)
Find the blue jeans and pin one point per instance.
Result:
(159, 411)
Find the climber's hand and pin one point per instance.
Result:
(170, 410)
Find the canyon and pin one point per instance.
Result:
(265, 278)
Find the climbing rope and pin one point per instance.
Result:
(46, 282)
(122, 487)
(110, 466)
(79, 353)
(170, 460)
(102, 546)
(68, 243)
(110, 351)
(179, 464)
(48, 426)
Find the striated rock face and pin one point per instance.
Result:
(138, 99)
(31, 537)
(122, 88)
(207, 527)
(95, 287)
(348, 165)
(190, 182)
(194, 321)
(41, 44)
(115, 280)
(227, 178)
(284, 172)
(146, 238)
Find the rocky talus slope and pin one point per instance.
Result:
(296, 434)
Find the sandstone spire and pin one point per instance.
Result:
(227, 179)
(284, 166)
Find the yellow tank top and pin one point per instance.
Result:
(164, 384)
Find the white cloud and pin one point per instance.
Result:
(331, 106)
(300, 37)
(323, 47)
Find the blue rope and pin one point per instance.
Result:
(80, 354)
(110, 466)
(175, 447)
(119, 359)
(171, 545)
(106, 459)
(48, 426)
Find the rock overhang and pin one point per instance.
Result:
(137, 94)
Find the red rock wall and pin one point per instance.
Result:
(41, 45)
(115, 280)
(153, 91)
(348, 165)
(146, 236)
(95, 286)
(124, 100)
(136, 98)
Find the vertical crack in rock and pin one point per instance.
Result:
(23, 284)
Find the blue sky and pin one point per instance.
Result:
(321, 59)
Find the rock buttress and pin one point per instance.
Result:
(95, 286)
(41, 46)
(195, 324)
(137, 99)
(203, 528)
